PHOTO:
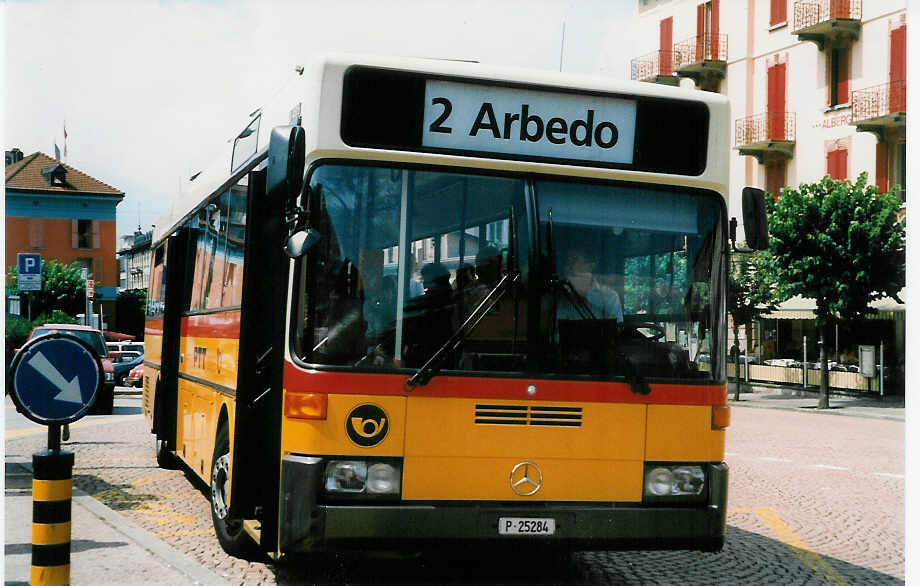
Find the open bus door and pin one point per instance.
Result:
(166, 396)
(257, 439)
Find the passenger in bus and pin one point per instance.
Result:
(488, 274)
(429, 318)
(344, 340)
(378, 294)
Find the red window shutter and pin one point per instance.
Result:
(700, 31)
(881, 166)
(665, 43)
(777, 12)
(837, 164)
(714, 30)
(843, 76)
(776, 101)
(897, 68)
(96, 236)
(36, 232)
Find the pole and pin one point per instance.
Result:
(805, 362)
(881, 370)
(52, 489)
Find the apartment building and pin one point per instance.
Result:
(817, 87)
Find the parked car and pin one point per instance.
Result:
(123, 362)
(125, 347)
(135, 378)
(106, 398)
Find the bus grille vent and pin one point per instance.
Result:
(524, 415)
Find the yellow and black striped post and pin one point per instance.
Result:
(52, 488)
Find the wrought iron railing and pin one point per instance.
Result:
(647, 67)
(764, 127)
(707, 47)
(807, 14)
(879, 100)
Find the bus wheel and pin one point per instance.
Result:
(230, 533)
(165, 458)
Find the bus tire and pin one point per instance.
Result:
(232, 537)
(165, 458)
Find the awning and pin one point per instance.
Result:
(800, 308)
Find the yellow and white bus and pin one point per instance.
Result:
(427, 303)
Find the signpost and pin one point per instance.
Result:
(54, 379)
(30, 277)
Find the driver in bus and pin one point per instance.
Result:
(602, 299)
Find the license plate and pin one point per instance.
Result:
(526, 526)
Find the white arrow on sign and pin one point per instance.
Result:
(70, 391)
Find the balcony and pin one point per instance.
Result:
(767, 137)
(827, 23)
(880, 108)
(656, 67)
(702, 58)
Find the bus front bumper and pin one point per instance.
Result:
(307, 525)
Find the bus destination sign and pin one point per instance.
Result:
(494, 119)
(414, 111)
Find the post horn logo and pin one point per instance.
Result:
(367, 425)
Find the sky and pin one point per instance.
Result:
(150, 90)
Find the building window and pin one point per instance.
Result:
(84, 234)
(839, 67)
(777, 12)
(776, 178)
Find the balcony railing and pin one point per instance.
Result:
(878, 101)
(811, 14)
(649, 67)
(707, 47)
(766, 127)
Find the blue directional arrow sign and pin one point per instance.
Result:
(55, 378)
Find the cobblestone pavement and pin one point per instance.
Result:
(812, 500)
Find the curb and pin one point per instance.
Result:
(197, 573)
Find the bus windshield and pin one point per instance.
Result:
(614, 280)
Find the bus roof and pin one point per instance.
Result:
(314, 95)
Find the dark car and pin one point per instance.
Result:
(106, 398)
(123, 362)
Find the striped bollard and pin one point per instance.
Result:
(52, 488)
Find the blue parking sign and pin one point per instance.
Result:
(29, 264)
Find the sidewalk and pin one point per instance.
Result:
(106, 548)
(764, 396)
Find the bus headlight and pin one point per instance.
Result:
(679, 482)
(353, 478)
(346, 476)
(382, 479)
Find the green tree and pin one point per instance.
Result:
(751, 294)
(62, 288)
(838, 243)
(130, 307)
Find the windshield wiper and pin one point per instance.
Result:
(433, 365)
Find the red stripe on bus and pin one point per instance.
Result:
(354, 383)
(225, 324)
(154, 327)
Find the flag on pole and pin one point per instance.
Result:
(57, 151)
(65, 139)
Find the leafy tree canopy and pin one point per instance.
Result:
(62, 288)
(838, 243)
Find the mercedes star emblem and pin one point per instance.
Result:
(526, 479)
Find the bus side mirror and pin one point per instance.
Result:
(286, 159)
(754, 213)
(301, 242)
